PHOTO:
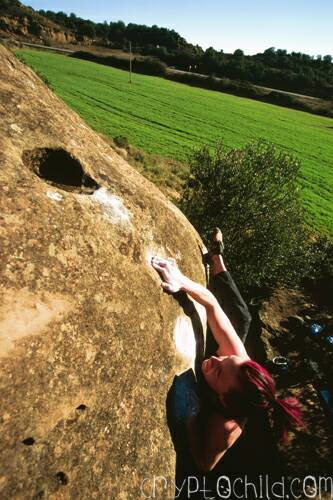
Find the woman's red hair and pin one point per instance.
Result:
(257, 393)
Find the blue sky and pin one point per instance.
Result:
(251, 25)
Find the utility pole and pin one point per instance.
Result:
(130, 63)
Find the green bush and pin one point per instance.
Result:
(147, 65)
(253, 195)
(320, 278)
(121, 141)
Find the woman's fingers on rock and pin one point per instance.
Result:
(159, 261)
(156, 261)
(162, 259)
(158, 267)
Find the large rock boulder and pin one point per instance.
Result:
(89, 343)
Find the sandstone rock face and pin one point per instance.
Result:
(89, 343)
(24, 30)
(14, 26)
(58, 35)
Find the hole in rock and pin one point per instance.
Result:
(60, 169)
(28, 441)
(62, 478)
(82, 407)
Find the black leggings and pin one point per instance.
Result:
(225, 290)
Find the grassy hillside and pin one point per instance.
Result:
(172, 119)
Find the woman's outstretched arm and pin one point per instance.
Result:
(223, 331)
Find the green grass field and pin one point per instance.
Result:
(172, 119)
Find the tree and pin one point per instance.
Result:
(34, 27)
(86, 28)
(117, 31)
(102, 30)
(211, 60)
(269, 52)
(252, 194)
(12, 7)
(239, 53)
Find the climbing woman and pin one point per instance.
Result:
(239, 393)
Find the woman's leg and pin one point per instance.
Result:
(225, 290)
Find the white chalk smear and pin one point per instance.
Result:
(30, 83)
(16, 128)
(54, 195)
(184, 339)
(108, 157)
(113, 206)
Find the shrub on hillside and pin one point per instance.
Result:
(253, 195)
(114, 61)
(121, 141)
(149, 66)
(320, 277)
